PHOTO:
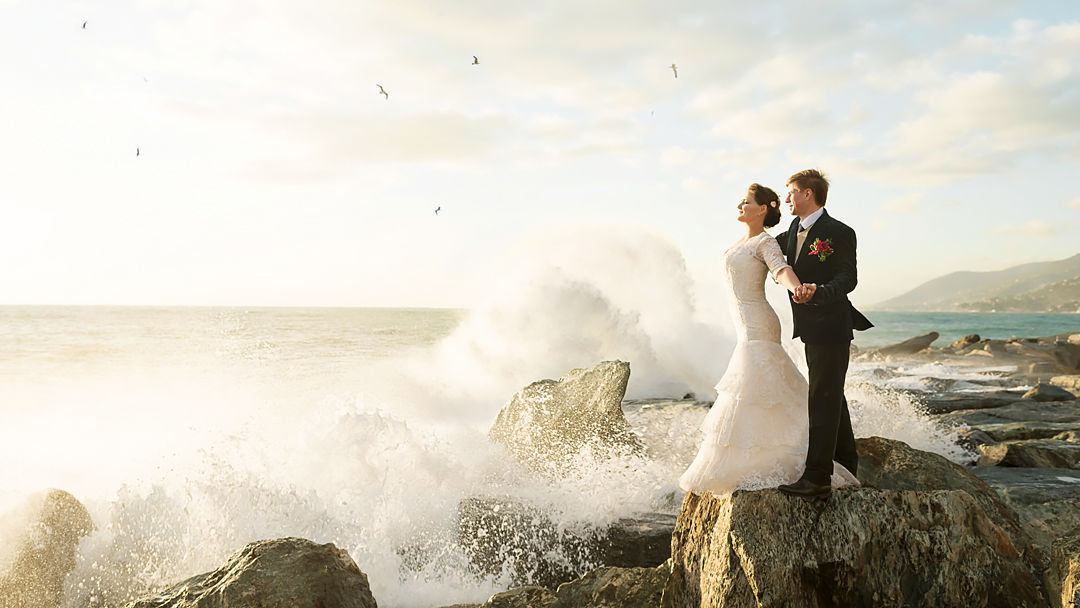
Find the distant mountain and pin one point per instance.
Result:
(1037, 287)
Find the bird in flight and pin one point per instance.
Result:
(675, 69)
(383, 92)
(84, 25)
(437, 210)
(136, 151)
(475, 61)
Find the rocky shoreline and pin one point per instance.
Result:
(1002, 529)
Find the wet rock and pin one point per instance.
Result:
(279, 573)
(38, 544)
(862, 547)
(1019, 486)
(506, 536)
(1031, 453)
(522, 597)
(548, 423)
(1020, 411)
(965, 341)
(1008, 431)
(1048, 392)
(969, 401)
(1069, 436)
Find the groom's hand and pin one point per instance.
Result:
(804, 293)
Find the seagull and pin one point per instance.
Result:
(136, 151)
(675, 69)
(437, 209)
(84, 25)
(475, 61)
(383, 92)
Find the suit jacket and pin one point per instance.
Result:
(828, 317)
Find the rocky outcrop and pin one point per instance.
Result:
(965, 341)
(1020, 411)
(1048, 392)
(1018, 486)
(548, 423)
(907, 347)
(1063, 578)
(37, 549)
(1006, 431)
(862, 547)
(888, 464)
(508, 537)
(279, 573)
(965, 401)
(600, 588)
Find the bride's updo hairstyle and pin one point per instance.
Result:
(765, 196)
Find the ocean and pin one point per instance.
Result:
(188, 432)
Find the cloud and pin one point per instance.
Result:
(903, 205)
(1032, 229)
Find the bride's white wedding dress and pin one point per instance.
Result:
(756, 433)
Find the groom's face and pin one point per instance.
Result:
(798, 200)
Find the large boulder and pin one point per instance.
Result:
(549, 423)
(38, 543)
(278, 573)
(1008, 431)
(862, 547)
(888, 464)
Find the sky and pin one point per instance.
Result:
(271, 171)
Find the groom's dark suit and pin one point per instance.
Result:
(825, 324)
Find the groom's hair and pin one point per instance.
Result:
(815, 181)
(764, 195)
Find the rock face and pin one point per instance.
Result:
(279, 573)
(1063, 578)
(863, 547)
(888, 464)
(39, 551)
(548, 423)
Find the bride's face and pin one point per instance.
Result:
(749, 210)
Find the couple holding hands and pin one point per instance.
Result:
(769, 426)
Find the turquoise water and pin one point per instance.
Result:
(891, 327)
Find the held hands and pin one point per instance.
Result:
(804, 293)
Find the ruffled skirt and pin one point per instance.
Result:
(756, 434)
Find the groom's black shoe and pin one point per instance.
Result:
(804, 488)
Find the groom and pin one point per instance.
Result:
(821, 250)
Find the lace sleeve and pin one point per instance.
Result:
(768, 251)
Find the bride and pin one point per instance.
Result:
(756, 434)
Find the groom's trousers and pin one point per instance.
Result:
(831, 437)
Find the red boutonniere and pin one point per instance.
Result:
(822, 249)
